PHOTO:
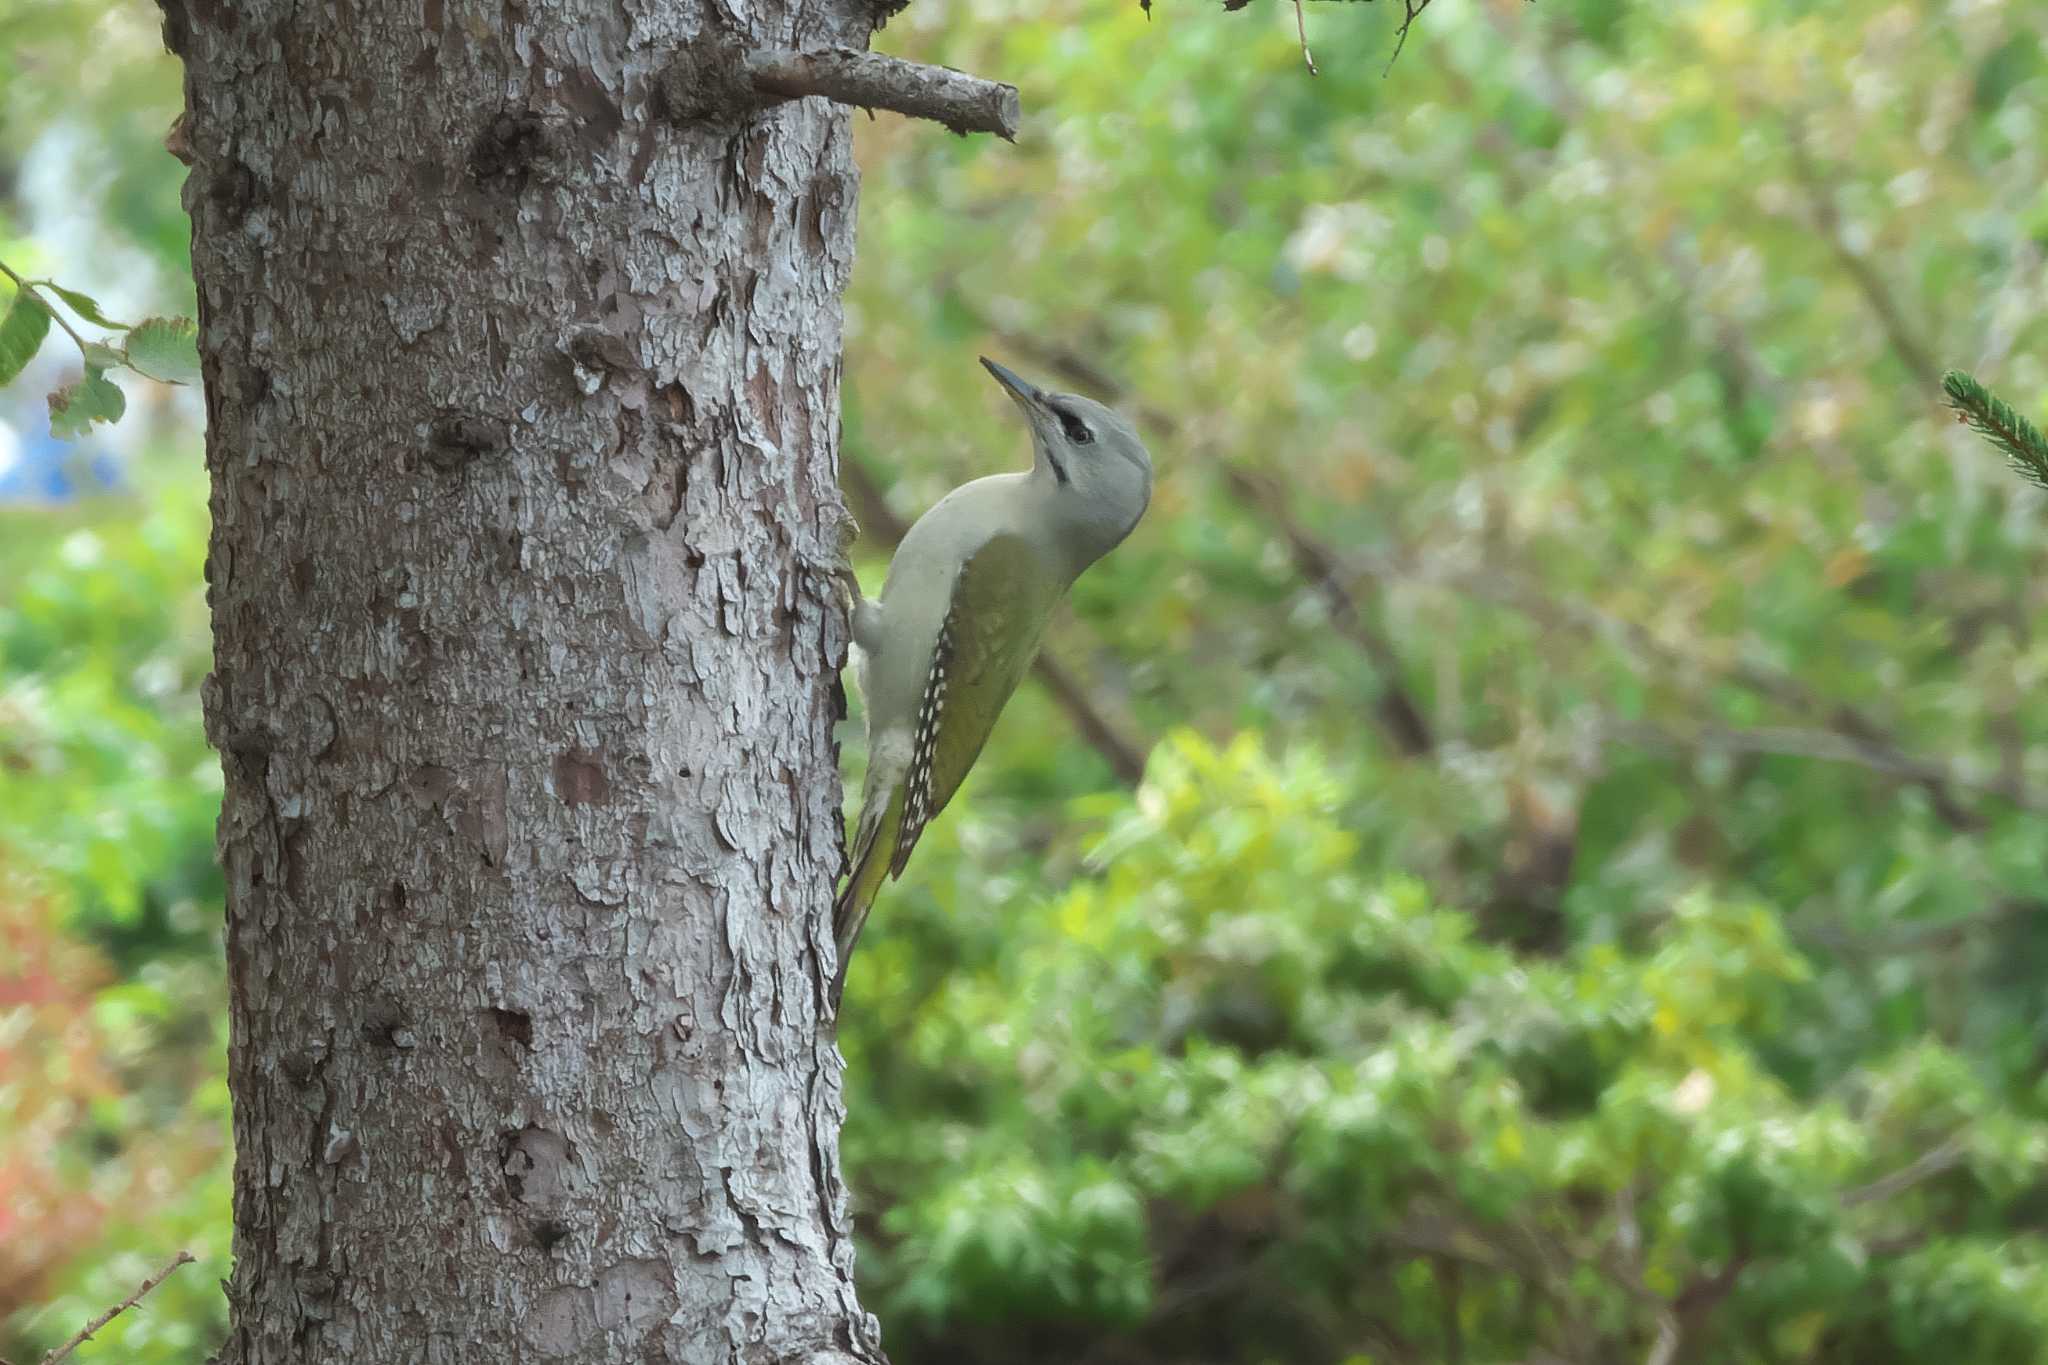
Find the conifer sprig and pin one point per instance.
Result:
(1996, 421)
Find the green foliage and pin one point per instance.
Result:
(21, 333)
(1698, 968)
(1233, 1087)
(1995, 420)
(75, 407)
(89, 84)
(106, 782)
(1694, 978)
(113, 1140)
(116, 1156)
(163, 349)
(85, 306)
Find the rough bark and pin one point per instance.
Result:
(522, 395)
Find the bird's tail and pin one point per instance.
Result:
(874, 848)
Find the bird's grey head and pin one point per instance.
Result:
(1099, 471)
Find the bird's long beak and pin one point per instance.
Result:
(1025, 392)
(1031, 400)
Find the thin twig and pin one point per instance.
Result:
(871, 80)
(1846, 735)
(183, 1258)
(1665, 1349)
(1399, 715)
(1699, 1298)
(1937, 1160)
(1122, 754)
(1411, 11)
(1450, 1283)
(1826, 746)
(1733, 356)
(29, 289)
(1919, 935)
(1301, 31)
(1745, 373)
(1912, 353)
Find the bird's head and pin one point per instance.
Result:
(1098, 469)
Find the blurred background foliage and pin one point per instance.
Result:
(1586, 897)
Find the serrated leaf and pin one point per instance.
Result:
(165, 349)
(86, 306)
(75, 407)
(21, 334)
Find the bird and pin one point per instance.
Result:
(961, 614)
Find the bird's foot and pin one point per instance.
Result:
(837, 564)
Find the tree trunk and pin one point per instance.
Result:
(521, 382)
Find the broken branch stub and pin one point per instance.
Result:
(870, 80)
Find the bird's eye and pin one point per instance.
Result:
(1077, 430)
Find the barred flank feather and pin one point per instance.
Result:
(889, 829)
(917, 783)
(985, 640)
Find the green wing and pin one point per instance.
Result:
(1004, 597)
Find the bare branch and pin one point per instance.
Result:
(1912, 352)
(1665, 1349)
(117, 1310)
(1301, 32)
(1916, 936)
(1119, 751)
(1400, 717)
(1935, 1161)
(1827, 746)
(1691, 1307)
(870, 80)
(1450, 1282)
(1845, 735)
(1411, 11)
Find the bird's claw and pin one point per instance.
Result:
(840, 565)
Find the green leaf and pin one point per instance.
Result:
(21, 334)
(101, 356)
(75, 407)
(165, 349)
(85, 305)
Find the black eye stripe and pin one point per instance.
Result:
(1077, 430)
